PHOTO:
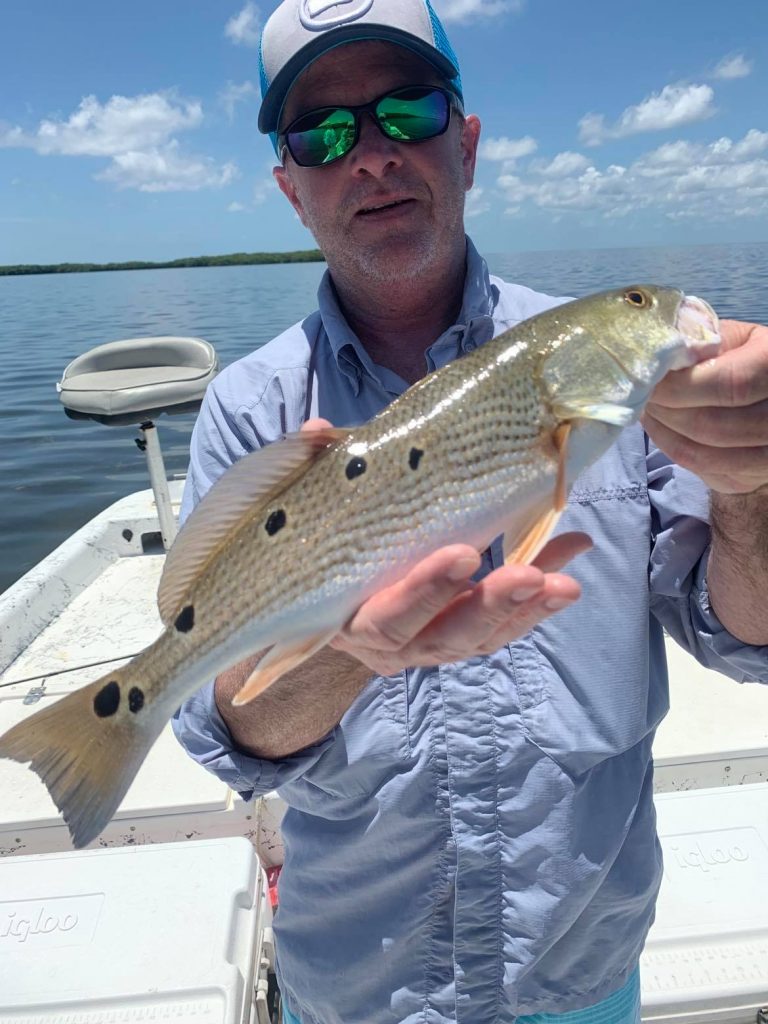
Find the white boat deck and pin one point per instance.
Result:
(102, 610)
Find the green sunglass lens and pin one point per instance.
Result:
(319, 139)
(415, 116)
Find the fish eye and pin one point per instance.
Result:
(636, 297)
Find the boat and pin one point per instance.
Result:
(91, 603)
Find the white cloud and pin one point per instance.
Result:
(711, 181)
(136, 133)
(476, 202)
(506, 149)
(515, 190)
(166, 170)
(233, 94)
(261, 190)
(120, 125)
(562, 165)
(245, 28)
(675, 105)
(259, 193)
(464, 10)
(679, 157)
(754, 142)
(735, 65)
(11, 136)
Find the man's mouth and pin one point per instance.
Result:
(390, 204)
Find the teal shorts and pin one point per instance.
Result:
(623, 1007)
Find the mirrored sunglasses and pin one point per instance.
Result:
(411, 114)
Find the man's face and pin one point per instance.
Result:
(341, 203)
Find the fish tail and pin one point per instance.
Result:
(87, 749)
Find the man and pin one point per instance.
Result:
(470, 834)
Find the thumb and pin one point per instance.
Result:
(316, 424)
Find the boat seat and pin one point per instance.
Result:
(138, 379)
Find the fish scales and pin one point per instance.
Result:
(412, 504)
(488, 444)
(470, 449)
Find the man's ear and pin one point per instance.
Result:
(287, 187)
(470, 138)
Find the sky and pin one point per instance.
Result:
(128, 131)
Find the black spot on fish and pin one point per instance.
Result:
(135, 699)
(275, 522)
(107, 700)
(185, 620)
(355, 467)
(415, 457)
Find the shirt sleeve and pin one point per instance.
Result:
(217, 442)
(679, 596)
(202, 732)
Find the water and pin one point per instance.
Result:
(57, 473)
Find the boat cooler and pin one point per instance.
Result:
(706, 959)
(144, 933)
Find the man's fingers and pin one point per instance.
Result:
(391, 618)
(736, 378)
(740, 469)
(498, 610)
(718, 426)
(316, 424)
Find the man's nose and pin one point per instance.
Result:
(374, 153)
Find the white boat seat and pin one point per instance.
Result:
(138, 379)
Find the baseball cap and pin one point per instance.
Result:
(300, 31)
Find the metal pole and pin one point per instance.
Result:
(159, 482)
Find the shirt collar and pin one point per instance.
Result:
(474, 325)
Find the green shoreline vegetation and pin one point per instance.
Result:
(234, 259)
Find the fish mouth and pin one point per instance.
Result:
(699, 325)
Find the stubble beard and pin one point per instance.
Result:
(385, 263)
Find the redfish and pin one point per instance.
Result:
(293, 538)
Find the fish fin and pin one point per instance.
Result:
(561, 436)
(250, 481)
(283, 657)
(532, 540)
(530, 536)
(606, 412)
(86, 762)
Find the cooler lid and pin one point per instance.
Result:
(123, 934)
(706, 958)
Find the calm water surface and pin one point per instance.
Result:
(56, 473)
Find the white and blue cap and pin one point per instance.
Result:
(300, 31)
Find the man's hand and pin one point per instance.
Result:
(713, 417)
(436, 614)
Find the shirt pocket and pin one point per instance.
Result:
(590, 681)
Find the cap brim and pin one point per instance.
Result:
(272, 104)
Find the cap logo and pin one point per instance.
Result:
(311, 13)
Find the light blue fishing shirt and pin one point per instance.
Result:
(475, 841)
